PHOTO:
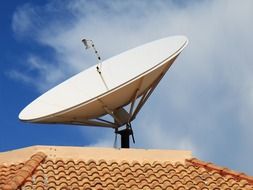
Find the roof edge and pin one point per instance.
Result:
(96, 153)
(221, 170)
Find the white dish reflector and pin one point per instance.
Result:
(86, 97)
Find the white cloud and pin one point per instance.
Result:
(38, 73)
(204, 103)
(22, 19)
(105, 142)
(19, 76)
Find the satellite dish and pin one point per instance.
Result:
(126, 79)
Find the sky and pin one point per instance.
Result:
(203, 104)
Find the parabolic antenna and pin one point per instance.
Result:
(126, 79)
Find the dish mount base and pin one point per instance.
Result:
(125, 135)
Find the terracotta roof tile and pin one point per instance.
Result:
(223, 171)
(53, 173)
(17, 174)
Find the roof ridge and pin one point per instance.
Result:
(221, 170)
(18, 179)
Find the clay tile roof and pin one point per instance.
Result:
(75, 168)
(221, 170)
(14, 176)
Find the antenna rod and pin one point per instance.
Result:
(89, 43)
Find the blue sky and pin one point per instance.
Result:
(203, 104)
